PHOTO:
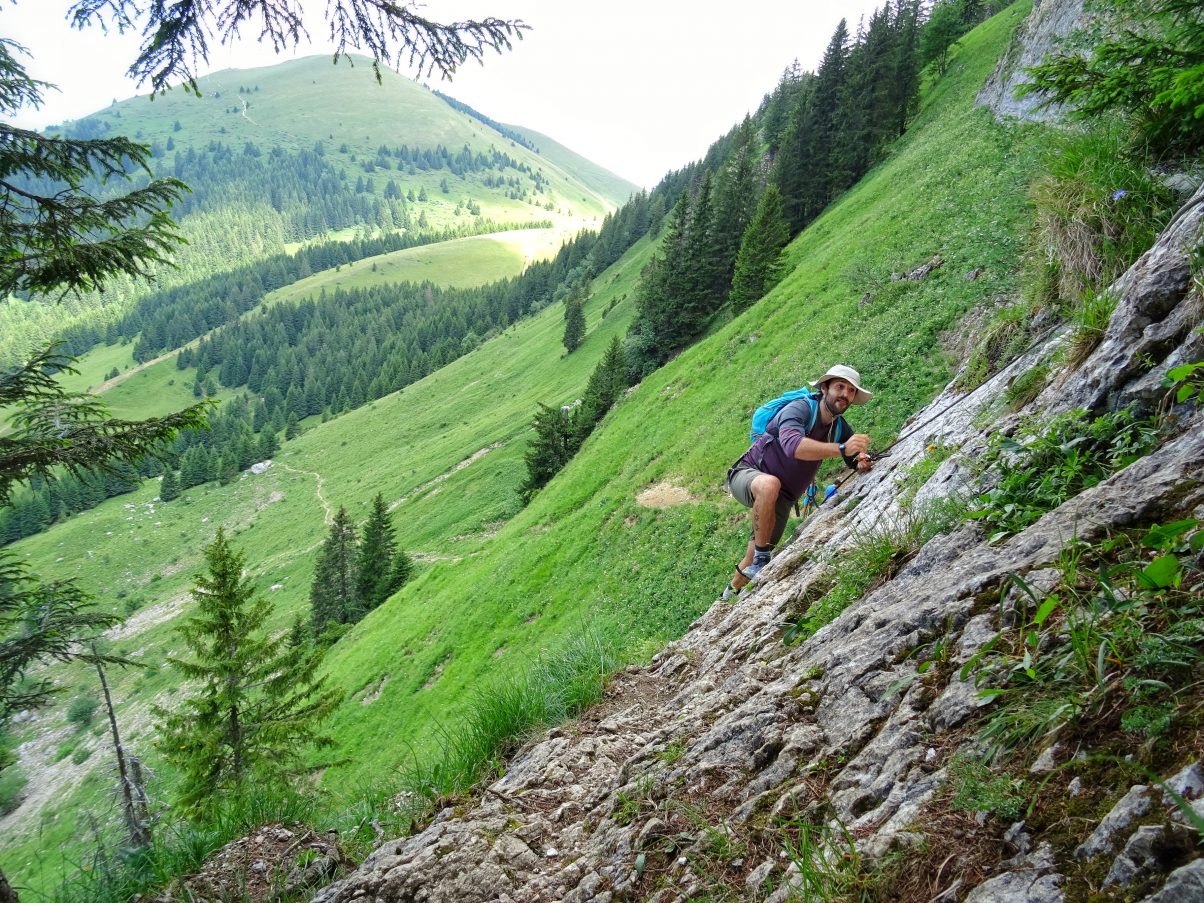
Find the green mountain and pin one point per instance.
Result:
(304, 152)
(590, 174)
(628, 544)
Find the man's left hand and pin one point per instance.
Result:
(864, 463)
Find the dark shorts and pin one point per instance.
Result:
(739, 484)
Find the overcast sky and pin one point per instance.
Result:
(639, 86)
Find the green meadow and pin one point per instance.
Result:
(462, 263)
(499, 584)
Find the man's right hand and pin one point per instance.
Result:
(857, 444)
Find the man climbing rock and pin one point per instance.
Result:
(780, 467)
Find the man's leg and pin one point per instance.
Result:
(765, 489)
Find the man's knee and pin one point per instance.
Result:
(766, 486)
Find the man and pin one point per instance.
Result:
(781, 464)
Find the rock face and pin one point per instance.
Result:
(835, 744)
(1050, 20)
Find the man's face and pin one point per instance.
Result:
(839, 394)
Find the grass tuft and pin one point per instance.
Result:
(876, 557)
(1098, 208)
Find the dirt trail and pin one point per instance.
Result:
(420, 490)
(321, 483)
(122, 377)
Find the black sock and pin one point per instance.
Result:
(761, 553)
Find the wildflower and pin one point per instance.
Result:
(1118, 194)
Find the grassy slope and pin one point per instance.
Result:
(463, 263)
(585, 550)
(304, 101)
(590, 174)
(138, 556)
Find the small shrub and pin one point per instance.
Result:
(81, 754)
(1090, 317)
(1026, 386)
(12, 785)
(1003, 338)
(979, 789)
(81, 711)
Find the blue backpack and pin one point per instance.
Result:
(764, 415)
(766, 412)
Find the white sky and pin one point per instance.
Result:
(638, 86)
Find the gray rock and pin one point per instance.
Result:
(1133, 805)
(1185, 885)
(1148, 851)
(1188, 784)
(1031, 41)
(1031, 880)
(1047, 761)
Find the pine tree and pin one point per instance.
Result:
(702, 268)
(333, 594)
(257, 702)
(169, 488)
(377, 551)
(757, 265)
(804, 167)
(549, 451)
(574, 322)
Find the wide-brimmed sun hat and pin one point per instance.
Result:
(849, 375)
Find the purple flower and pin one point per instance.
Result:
(1118, 194)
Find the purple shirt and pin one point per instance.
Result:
(773, 452)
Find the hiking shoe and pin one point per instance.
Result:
(753, 569)
(728, 594)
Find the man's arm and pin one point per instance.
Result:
(792, 435)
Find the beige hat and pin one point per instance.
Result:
(849, 375)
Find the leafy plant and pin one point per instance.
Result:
(1187, 381)
(1054, 461)
(1123, 640)
(979, 789)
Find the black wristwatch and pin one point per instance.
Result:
(840, 448)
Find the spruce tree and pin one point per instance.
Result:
(606, 384)
(377, 551)
(758, 266)
(333, 596)
(549, 451)
(257, 701)
(803, 168)
(169, 488)
(574, 322)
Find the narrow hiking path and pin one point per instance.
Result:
(431, 484)
(321, 483)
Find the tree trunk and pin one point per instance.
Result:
(133, 796)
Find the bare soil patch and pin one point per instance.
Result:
(664, 495)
